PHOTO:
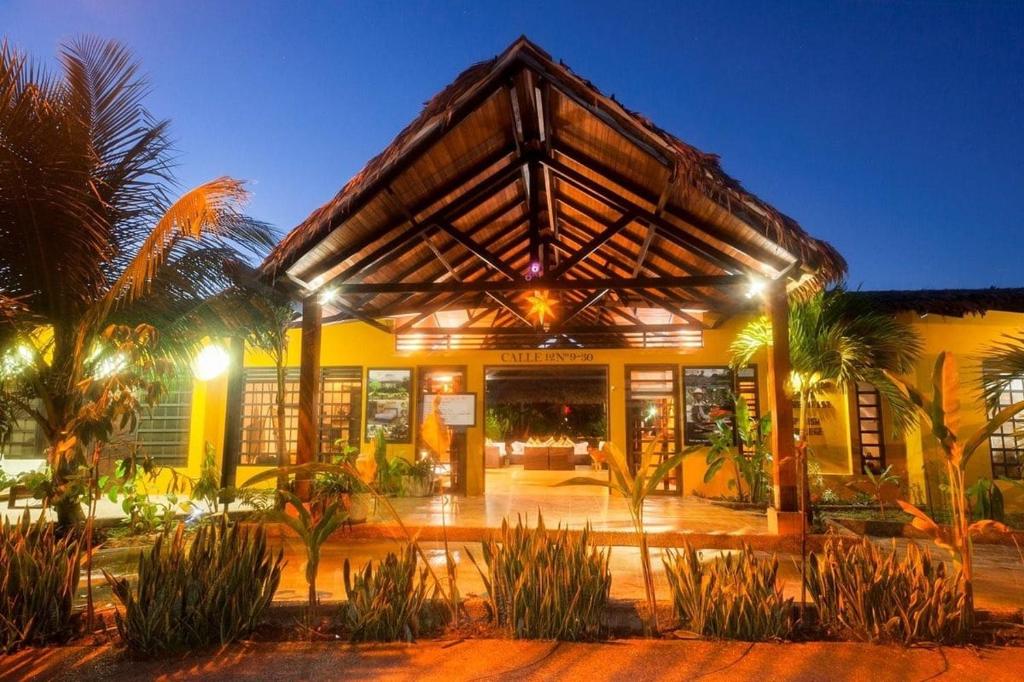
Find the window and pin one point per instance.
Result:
(162, 432)
(340, 412)
(652, 414)
(26, 440)
(341, 401)
(869, 435)
(746, 388)
(1006, 445)
(259, 442)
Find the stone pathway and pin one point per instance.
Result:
(633, 660)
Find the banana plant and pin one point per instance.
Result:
(749, 464)
(363, 477)
(314, 532)
(635, 487)
(942, 413)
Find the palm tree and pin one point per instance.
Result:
(1003, 362)
(92, 239)
(837, 340)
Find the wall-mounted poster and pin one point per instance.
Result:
(707, 391)
(456, 409)
(388, 398)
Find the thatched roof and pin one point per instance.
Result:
(949, 302)
(589, 166)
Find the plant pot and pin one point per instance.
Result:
(359, 507)
(414, 486)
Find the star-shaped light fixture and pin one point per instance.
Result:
(541, 306)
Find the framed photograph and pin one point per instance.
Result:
(707, 392)
(389, 404)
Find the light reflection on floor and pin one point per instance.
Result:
(513, 492)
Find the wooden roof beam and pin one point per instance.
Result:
(704, 250)
(753, 251)
(423, 204)
(687, 282)
(594, 244)
(480, 251)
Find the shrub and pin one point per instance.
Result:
(387, 602)
(214, 591)
(546, 585)
(734, 597)
(39, 574)
(866, 594)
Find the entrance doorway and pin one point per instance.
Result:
(544, 424)
(450, 464)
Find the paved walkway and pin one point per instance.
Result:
(632, 660)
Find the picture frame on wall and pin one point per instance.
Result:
(707, 395)
(389, 404)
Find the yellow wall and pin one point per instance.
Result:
(358, 344)
(967, 338)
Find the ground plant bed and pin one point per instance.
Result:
(897, 528)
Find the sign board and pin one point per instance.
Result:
(547, 356)
(457, 409)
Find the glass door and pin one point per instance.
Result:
(652, 420)
(450, 463)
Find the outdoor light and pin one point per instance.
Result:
(757, 287)
(541, 305)
(210, 363)
(534, 270)
(15, 360)
(328, 295)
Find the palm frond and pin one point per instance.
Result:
(1002, 362)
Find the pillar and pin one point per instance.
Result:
(309, 394)
(233, 413)
(784, 516)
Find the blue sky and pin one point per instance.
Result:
(893, 130)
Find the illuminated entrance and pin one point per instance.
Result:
(545, 419)
(524, 211)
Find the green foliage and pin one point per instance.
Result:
(651, 470)
(386, 602)
(544, 585)
(329, 486)
(207, 488)
(129, 483)
(734, 597)
(986, 500)
(495, 425)
(866, 594)
(39, 574)
(314, 531)
(128, 280)
(876, 483)
(837, 339)
(185, 597)
(751, 465)
(389, 470)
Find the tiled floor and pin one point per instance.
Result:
(512, 492)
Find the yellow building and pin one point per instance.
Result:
(527, 239)
(352, 349)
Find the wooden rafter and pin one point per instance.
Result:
(687, 282)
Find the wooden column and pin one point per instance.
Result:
(309, 394)
(784, 516)
(233, 413)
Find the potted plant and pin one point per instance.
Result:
(419, 480)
